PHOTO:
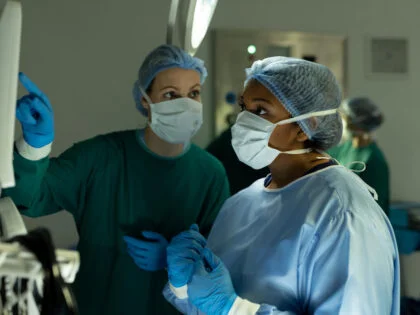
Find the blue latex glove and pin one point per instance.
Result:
(183, 252)
(150, 254)
(211, 289)
(35, 113)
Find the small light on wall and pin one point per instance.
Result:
(252, 49)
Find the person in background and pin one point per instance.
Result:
(307, 239)
(129, 192)
(362, 117)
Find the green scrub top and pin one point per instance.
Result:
(114, 185)
(376, 174)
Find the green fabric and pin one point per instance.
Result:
(376, 174)
(113, 185)
(239, 174)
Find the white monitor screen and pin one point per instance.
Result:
(10, 31)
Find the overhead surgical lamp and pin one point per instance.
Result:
(188, 23)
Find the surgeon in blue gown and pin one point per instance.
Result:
(307, 239)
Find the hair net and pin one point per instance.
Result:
(362, 113)
(303, 87)
(162, 58)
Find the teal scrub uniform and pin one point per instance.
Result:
(376, 174)
(114, 185)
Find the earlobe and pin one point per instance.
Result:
(145, 103)
(146, 106)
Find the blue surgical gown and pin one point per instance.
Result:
(320, 245)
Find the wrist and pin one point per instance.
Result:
(243, 307)
(180, 292)
(31, 153)
(229, 304)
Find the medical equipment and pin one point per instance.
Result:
(10, 30)
(188, 23)
(22, 274)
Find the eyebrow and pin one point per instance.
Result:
(196, 85)
(261, 100)
(169, 87)
(175, 88)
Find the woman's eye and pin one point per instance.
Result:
(195, 94)
(260, 111)
(170, 95)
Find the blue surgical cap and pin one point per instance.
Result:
(163, 58)
(303, 87)
(362, 113)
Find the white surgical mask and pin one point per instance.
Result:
(175, 121)
(251, 133)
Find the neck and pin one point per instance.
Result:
(287, 168)
(362, 140)
(161, 147)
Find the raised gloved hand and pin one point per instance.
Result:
(148, 254)
(35, 113)
(183, 252)
(211, 289)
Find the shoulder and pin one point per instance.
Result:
(351, 202)
(105, 147)
(109, 140)
(247, 196)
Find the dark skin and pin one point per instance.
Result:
(168, 85)
(286, 168)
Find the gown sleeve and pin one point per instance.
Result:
(48, 185)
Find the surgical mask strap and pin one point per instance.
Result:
(308, 115)
(302, 117)
(348, 166)
(145, 95)
(295, 152)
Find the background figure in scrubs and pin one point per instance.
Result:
(362, 117)
(130, 192)
(309, 238)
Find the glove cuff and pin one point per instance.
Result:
(181, 292)
(243, 307)
(30, 153)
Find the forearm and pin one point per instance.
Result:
(30, 165)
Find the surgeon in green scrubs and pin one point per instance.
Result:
(126, 190)
(362, 117)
